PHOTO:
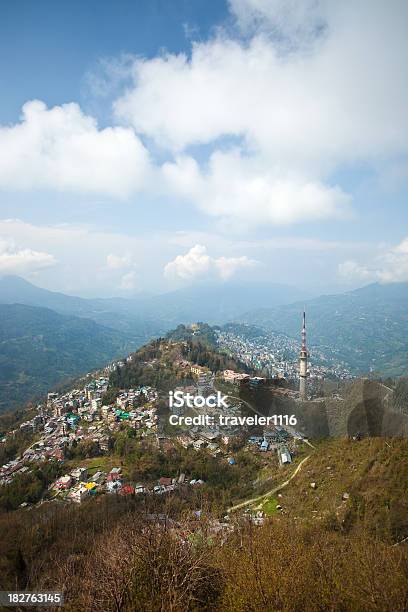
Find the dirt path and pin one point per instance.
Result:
(254, 500)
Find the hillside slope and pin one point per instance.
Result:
(118, 313)
(322, 551)
(39, 348)
(357, 483)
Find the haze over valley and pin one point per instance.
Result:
(48, 337)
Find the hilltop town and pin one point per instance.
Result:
(78, 431)
(85, 437)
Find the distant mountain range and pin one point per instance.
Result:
(47, 336)
(215, 303)
(39, 348)
(118, 313)
(148, 316)
(367, 327)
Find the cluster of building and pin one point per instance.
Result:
(239, 379)
(278, 356)
(278, 440)
(9, 470)
(202, 376)
(78, 485)
(136, 406)
(212, 435)
(206, 435)
(78, 416)
(235, 378)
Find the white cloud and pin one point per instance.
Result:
(297, 116)
(186, 267)
(228, 266)
(17, 261)
(235, 187)
(118, 262)
(390, 266)
(352, 271)
(287, 20)
(62, 149)
(82, 255)
(124, 265)
(313, 87)
(196, 263)
(344, 99)
(128, 281)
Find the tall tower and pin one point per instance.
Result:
(303, 362)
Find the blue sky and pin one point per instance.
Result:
(46, 50)
(151, 145)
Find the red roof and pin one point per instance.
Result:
(127, 490)
(111, 477)
(165, 482)
(58, 454)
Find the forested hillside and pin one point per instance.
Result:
(39, 348)
(167, 369)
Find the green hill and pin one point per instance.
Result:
(39, 348)
(119, 313)
(373, 473)
(158, 362)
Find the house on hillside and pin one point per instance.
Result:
(114, 475)
(78, 495)
(63, 483)
(80, 474)
(284, 455)
(264, 446)
(113, 486)
(197, 370)
(92, 487)
(165, 482)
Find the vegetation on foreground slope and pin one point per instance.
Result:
(161, 553)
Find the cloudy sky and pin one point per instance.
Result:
(150, 145)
